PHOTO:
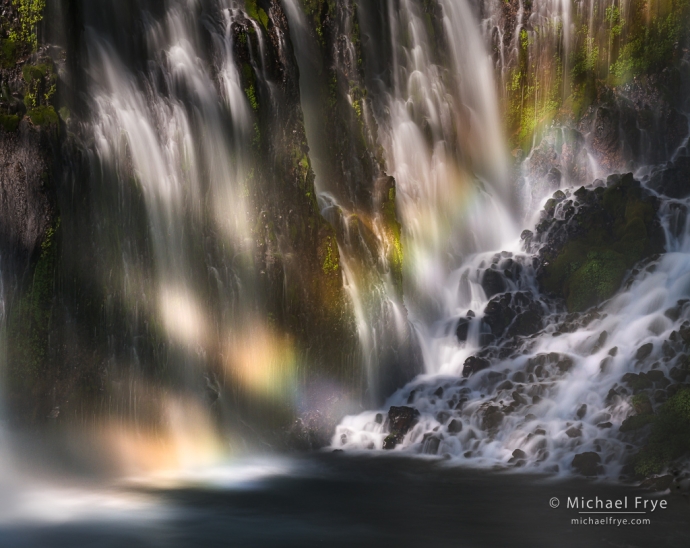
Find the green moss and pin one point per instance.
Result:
(30, 15)
(250, 83)
(393, 231)
(30, 321)
(256, 13)
(636, 422)
(670, 437)
(331, 261)
(9, 53)
(43, 116)
(251, 95)
(9, 122)
(652, 44)
(596, 280)
(589, 269)
(41, 84)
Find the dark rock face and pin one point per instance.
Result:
(463, 328)
(26, 201)
(474, 364)
(587, 243)
(515, 313)
(454, 426)
(644, 351)
(400, 421)
(493, 283)
(588, 464)
(493, 417)
(606, 133)
(672, 179)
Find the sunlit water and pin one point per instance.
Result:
(446, 249)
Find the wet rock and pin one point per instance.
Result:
(519, 376)
(574, 432)
(518, 398)
(442, 416)
(636, 382)
(655, 375)
(672, 179)
(455, 426)
(430, 444)
(505, 385)
(527, 323)
(582, 411)
(498, 314)
(667, 350)
(493, 417)
(660, 483)
(604, 364)
(493, 282)
(644, 351)
(588, 464)
(379, 418)
(400, 421)
(439, 392)
(678, 374)
(611, 230)
(463, 329)
(473, 364)
(642, 405)
(604, 425)
(613, 352)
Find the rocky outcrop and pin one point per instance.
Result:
(588, 464)
(27, 204)
(587, 240)
(400, 422)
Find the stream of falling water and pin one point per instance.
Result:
(447, 248)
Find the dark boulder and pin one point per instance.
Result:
(400, 421)
(588, 464)
(644, 351)
(672, 179)
(493, 417)
(473, 364)
(493, 282)
(455, 426)
(463, 329)
(498, 314)
(585, 257)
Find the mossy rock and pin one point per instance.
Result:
(670, 437)
(43, 116)
(613, 229)
(9, 122)
(9, 53)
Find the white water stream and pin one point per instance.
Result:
(450, 231)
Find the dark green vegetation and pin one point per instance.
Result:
(608, 231)
(547, 83)
(29, 324)
(670, 436)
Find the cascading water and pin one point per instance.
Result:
(509, 416)
(239, 169)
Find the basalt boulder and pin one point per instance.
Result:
(587, 242)
(400, 421)
(588, 464)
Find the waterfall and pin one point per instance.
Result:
(540, 423)
(270, 214)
